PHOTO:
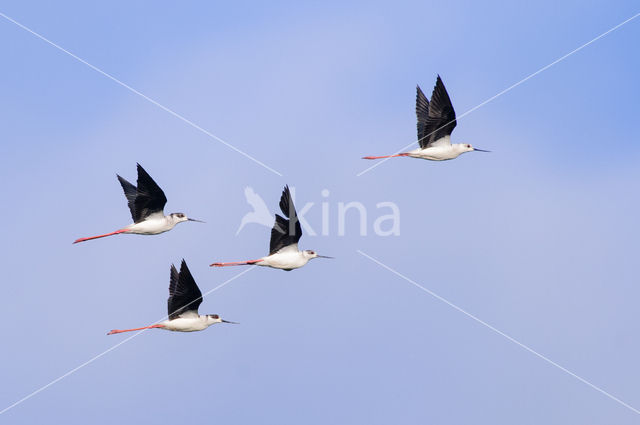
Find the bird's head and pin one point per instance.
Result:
(309, 254)
(466, 147)
(214, 318)
(180, 217)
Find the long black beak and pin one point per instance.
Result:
(324, 256)
(226, 321)
(193, 219)
(480, 150)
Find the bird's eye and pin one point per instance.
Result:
(468, 146)
(214, 316)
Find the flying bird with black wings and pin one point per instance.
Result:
(184, 299)
(283, 247)
(436, 121)
(146, 202)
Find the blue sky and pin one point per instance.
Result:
(538, 238)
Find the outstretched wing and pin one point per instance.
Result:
(441, 118)
(130, 192)
(285, 232)
(422, 113)
(149, 199)
(184, 294)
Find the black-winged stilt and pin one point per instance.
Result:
(436, 121)
(184, 299)
(283, 247)
(146, 202)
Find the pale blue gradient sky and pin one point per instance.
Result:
(538, 238)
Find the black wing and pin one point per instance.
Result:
(130, 192)
(422, 113)
(149, 197)
(285, 232)
(441, 118)
(184, 294)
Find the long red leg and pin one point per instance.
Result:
(100, 236)
(119, 331)
(235, 263)
(385, 156)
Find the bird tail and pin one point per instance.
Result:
(100, 236)
(235, 263)
(119, 331)
(386, 156)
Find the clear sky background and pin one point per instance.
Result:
(539, 238)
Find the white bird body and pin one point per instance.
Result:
(441, 150)
(190, 322)
(288, 258)
(154, 224)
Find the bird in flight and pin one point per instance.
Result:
(436, 121)
(146, 202)
(184, 299)
(283, 248)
